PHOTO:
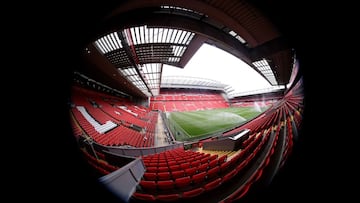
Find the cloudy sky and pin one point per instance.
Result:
(213, 63)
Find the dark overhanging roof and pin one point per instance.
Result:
(210, 23)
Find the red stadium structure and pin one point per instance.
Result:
(119, 99)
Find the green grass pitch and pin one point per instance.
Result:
(197, 124)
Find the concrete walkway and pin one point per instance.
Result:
(160, 136)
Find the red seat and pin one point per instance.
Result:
(162, 164)
(185, 165)
(267, 161)
(183, 182)
(258, 174)
(250, 157)
(195, 164)
(238, 194)
(177, 174)
(229, 175)
(203, 167)
(213, 184)
(148, 184)
(213, 157)
(172, 163)
(151, 164)
(190, 171)
(180, 161)
(214, 172)
(151, 169)
(168, 197)
(165, 184)
(239, 156)
(222, 159)
(164, 176)
(224, 166)
(193, 193)
(163, 169)
(142, 196)
(205, 160)
(191, 160)
(174, 167)
(150, 176)
(198, 178)
(213, 163)
(241, 166)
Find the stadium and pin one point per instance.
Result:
(147, 137)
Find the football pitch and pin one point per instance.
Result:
(198, 124)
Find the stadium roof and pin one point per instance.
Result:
(139, 52)
(192, 82)
(137, 37)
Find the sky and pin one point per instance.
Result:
(214, 63)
